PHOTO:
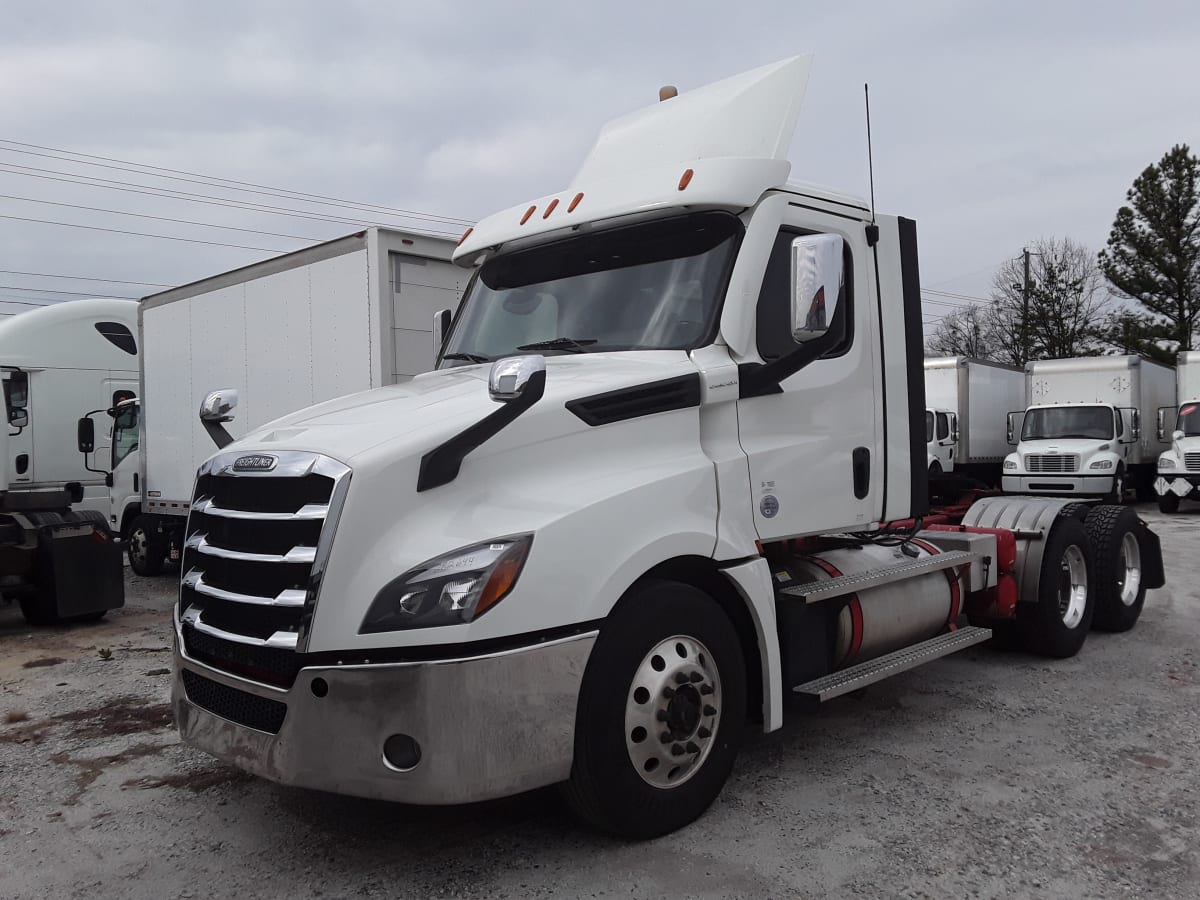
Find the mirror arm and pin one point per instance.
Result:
(761, 379)
(217, 432)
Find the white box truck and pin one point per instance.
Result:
(1081, 433)
(965, 425)
(334, 319)
(637, 503)
(1179, 425)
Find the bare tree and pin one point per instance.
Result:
(962, 332)
(1067, 305)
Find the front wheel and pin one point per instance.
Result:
(1058, 623)
(1119, 487)
(660, 714)
(146, 547)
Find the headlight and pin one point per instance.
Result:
(457, 587)
(1101, 464)
(1166, 462)
(1010, 464)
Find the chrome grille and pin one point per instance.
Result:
(1191, 461)
(1043, 463)
(255, 549)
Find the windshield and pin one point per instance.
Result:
(1068, 422)
(1189, 420)
(651, 286)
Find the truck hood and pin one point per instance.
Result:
(1082, 447)
(431, 408)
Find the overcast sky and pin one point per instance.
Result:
(993, 126)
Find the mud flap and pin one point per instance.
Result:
(1153, 574)
(78, 571)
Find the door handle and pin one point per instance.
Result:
(860, 465)
(135, 482)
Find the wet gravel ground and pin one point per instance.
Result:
(987, 774)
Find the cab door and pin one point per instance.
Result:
(812, 447)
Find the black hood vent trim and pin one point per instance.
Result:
(640, 400)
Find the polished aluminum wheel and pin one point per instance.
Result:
(673, 711)
(1129, 579)
(1072, 586)
(139, 550)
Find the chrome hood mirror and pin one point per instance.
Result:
(219, 406)
(511, 377)
(817, 279)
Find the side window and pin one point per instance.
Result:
(774, 314)
(943, 426)
(119, 336)
(125, 434)
(928, 426)
(1120, 423)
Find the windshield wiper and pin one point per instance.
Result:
(469, 357)
(572, 345)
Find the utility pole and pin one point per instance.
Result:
(1025, 308)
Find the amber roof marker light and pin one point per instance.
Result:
(667, 92)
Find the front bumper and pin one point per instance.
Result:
(488, 726)
(1184, 486)
(1084, 485)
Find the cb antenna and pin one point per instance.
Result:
(872, 229)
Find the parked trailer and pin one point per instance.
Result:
(1082, 433)
(335, 319)
(637, 503)
(1179, 467)
(974, 398)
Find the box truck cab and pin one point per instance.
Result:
(1179, 467)
(1081, 433)
(976, 396)
(941, 440)
(638, 501)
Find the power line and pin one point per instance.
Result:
(130, 187)
(216, 181)
(31, 302)
(969, 274)
(165, 237)
(82, 278)
(955, 295)
(118, 212)
(17, 287)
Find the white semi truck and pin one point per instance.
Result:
(337, 318)
(969, 402)
(669, 470)
(1179, 467)
(1081, 434)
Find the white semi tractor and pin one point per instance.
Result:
(1179, 467)
(669, 471)
(1082, 434)
(333, 319)
(965, 424)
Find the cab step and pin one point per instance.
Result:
(816, 591)
(852, 679)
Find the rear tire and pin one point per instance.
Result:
(146, 548)
(1168, 503)
(1058, 624)
(657, 730)
(1117, 553)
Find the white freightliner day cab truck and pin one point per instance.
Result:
(58, 559)
(1081, 433)
(638, 502)
(1179, 467)
(969, 402)
(333, 319)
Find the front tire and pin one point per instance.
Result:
(1058, 624)
(1117, 552)
(661, 712)
(1168, 504)
(146, 547)
(1119, 487)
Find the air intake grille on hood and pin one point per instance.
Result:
(641, 400)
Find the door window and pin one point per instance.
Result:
(928, 426)
(943, 426)
(125, 434)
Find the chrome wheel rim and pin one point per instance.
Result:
(1130, 567)
(137, 547)
(1072, 587)
(672, 712)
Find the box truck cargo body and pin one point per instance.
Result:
(1087, 429)
(1179, 426)
(335, 319)
(977, 396)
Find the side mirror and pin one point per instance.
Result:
(441, 325)
(219, 405)
(1137, 425)
(1162, 424)
(86, 435)
(18, 418)
(954, 429)
(511, 377)
(1012, 429)
(817, 279)
(1177, 436)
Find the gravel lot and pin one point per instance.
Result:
(987, 774)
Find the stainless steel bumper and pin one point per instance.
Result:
(488, 726)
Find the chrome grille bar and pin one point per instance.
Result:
(309, 512)
(293, 597)
(199, 543)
